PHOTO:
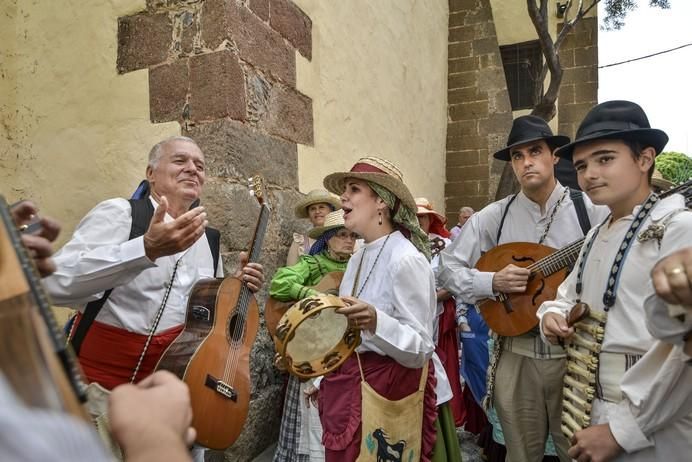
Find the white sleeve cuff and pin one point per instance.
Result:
(483, 285)
(133, 250)
(626, 430)
(541, 314)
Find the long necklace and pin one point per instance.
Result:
(360, 265)
(552, 216)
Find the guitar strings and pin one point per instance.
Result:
(242, 308)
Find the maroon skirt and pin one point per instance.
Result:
(339, 402)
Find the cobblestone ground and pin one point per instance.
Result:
(470, 452)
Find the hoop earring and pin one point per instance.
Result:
(379, 221)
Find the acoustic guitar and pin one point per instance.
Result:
(275, 309)
(34, 357)
(515, 314)
(212, 353)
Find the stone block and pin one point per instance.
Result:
(462, 143)
(462, 64)
(586, 92)
(580, 75)
(482, 13)
(168, 89)
(486, 45)
(462, 128)
(237, 151)
(143, 40)
(217, 86)
(587, 56)
(566, 95)
(456, 18)
(462, 34)
(459, 50)
(468, 111)
(256, 42)
(260, 8)
(463, 158)
(468, 173)
(290, 21)
(566, 58)
(574, 112)
(462, 80)
(289, 115)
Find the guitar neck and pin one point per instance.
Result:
(258, 237)
(57, 339)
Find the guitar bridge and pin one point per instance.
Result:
(221, 388)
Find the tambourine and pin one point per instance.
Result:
(313, 338)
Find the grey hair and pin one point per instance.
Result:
(155, 153)
(466, 209)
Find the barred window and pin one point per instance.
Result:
(522, 64)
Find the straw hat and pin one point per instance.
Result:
(424, 207)
(658, 181)
(332, 220)
(375, 170)
(316, 196)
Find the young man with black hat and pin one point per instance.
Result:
(528, 373)
(641, 404)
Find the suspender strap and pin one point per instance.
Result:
(142, 213)
(502, 221)
(579, 206)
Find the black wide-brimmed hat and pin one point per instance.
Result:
(526, 129)
(619, 120)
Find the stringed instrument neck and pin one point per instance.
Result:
(36, 359)
(253, 257)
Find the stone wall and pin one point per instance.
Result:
(225, 70)
(579, 90)
(479, 112)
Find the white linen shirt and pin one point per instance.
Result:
(100, 256)
(653, 421)
(401, 287)
(524, 223)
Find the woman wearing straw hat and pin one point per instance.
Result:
(389, 290)
(301, 432)
(314, 206)
(451, 410)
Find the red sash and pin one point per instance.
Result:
(109, 354)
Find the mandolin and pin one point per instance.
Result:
(212, 353)
(515, 314)
(34, 358)
(275, 309)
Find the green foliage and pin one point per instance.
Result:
(674, 166)
(616, 10)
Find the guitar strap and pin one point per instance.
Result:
(579, 206)
(142, 212)
(502, 221)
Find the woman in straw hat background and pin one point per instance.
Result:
(300, 436)
(389, 290)
(314, 206)
(451, 410)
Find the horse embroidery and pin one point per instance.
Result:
(387, 452)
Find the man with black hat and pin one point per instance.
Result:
(642, 408)
(528, 373)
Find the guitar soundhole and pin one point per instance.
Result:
(235, 329)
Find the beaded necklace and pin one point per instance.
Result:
(360, 265)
